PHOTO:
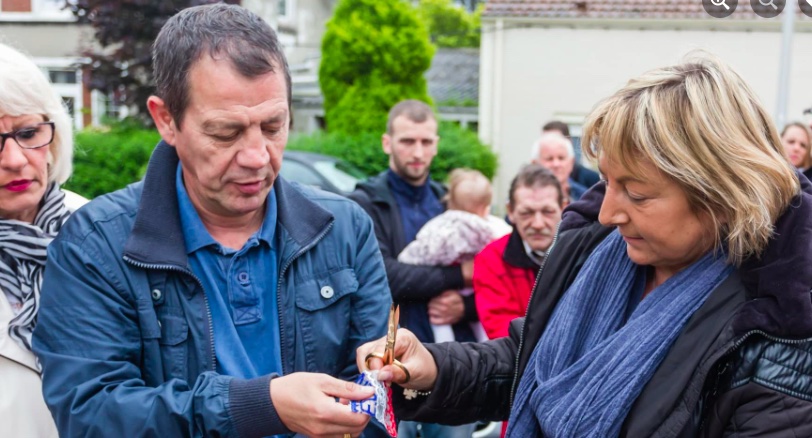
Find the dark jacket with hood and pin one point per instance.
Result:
(741, 367)
(412, 286)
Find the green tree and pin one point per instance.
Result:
(374, 54)
(449, 24)
(124, 30)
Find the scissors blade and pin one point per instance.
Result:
(391, 335)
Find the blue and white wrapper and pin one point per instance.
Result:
(378, 405)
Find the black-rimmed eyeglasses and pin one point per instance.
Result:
(31, 136)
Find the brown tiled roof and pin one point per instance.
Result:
(617, 9)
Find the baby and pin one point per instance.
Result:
(458, 234)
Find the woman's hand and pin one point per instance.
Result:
(410, 352)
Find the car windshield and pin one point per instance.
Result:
(343, 175)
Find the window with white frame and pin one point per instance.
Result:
(285, 9)
(62, 75)
(107, 107)
(66, 77)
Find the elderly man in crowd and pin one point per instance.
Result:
(505, 271)
(580, 173)
(554, 151)
(213, 298)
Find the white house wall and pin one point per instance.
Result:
(531, 75)
(47, 39)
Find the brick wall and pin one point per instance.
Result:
(15, 5)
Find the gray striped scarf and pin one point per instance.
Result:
(22, 261)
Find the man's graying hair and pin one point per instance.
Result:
(534, 176)
(218, 29)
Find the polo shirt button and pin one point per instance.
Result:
(327, 292)
(156, 294)
(242, 277)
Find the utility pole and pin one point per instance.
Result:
(787, 28)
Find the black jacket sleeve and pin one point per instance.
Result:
(766, 394)
(473, 382)
(407, 282)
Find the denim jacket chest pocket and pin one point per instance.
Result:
(174, 348)
(173, 329)
(324, 305)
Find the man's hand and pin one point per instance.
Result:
(410, 352)
(446, 308)
(306, 404)
(468, 272)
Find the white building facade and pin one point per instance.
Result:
(45, 31)
(554, 60)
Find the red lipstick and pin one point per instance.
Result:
(18, 185)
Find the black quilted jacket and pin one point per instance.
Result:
(742, 366)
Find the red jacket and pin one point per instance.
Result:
(503, 279)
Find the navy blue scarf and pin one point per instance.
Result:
(591, 364)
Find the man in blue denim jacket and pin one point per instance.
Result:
(213, 298)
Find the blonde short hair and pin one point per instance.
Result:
(702, 126)
(468, 190)
(26, 91)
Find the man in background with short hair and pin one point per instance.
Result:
(505, 271)
(400, 201)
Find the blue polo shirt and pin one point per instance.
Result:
(241, 288)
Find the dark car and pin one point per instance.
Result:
(322, 171)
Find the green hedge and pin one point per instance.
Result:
(109, 158)
(458, 147)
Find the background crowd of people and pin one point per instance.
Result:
(215, 299)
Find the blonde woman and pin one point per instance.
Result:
(797, 140)
(675, 301)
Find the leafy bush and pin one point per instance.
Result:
(450, 25)
(109, 158)
(458, 147)
(121, 55)
(374, 54)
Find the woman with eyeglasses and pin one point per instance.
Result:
(36, 148)
(674, 302)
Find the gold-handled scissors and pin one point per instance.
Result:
(388, 356)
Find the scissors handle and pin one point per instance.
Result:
(395, 363)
